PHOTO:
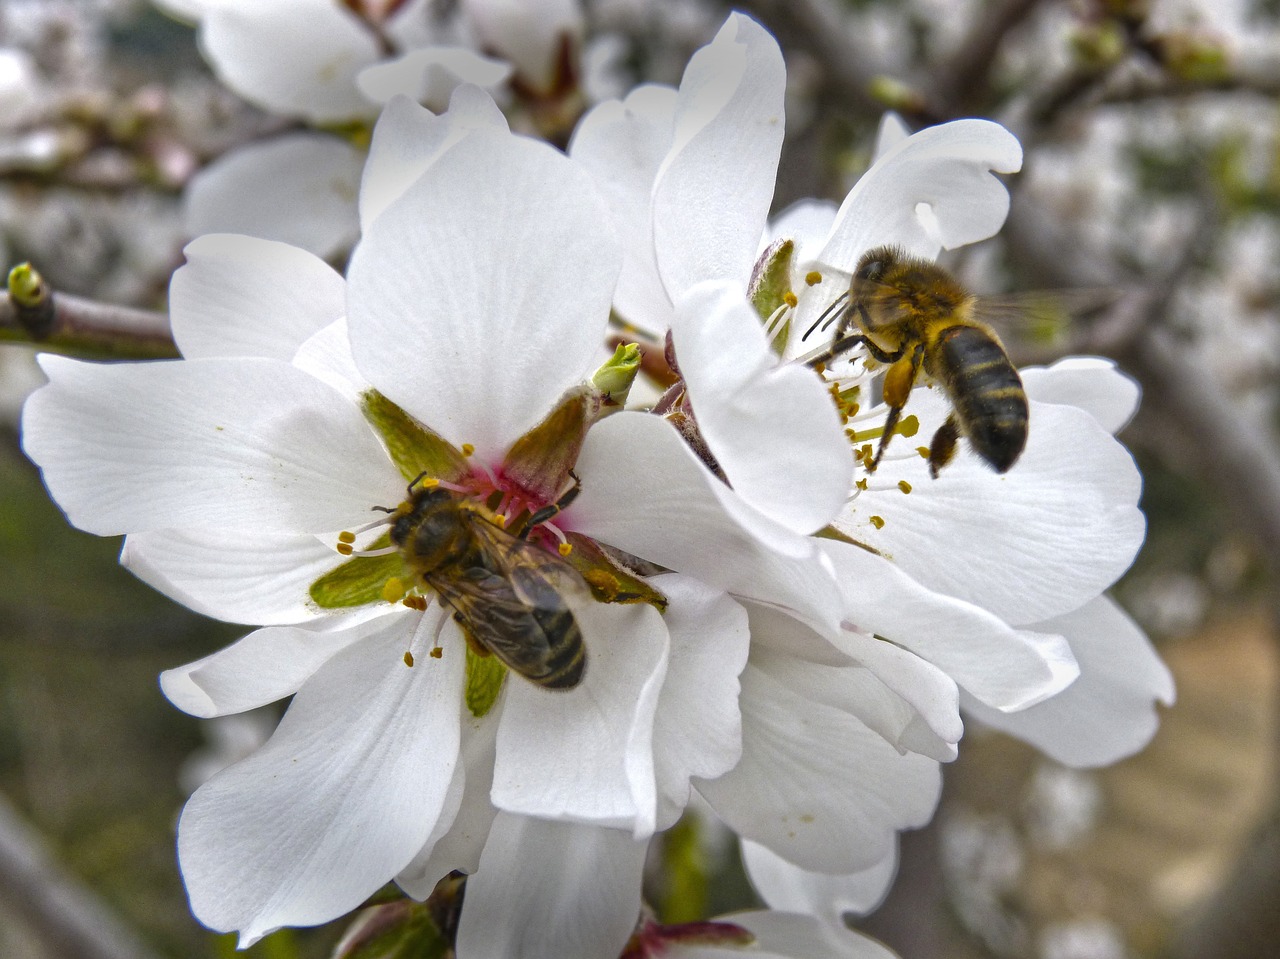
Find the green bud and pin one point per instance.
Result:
(615, 377)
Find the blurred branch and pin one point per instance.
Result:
(968, 71)
(84, 327)
(819, 28)
(68, 919)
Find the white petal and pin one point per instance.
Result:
(482, 293)
(1109, 712)
(551, 889)
(249, 443)
(1004, 667)
(238, 577)
(586, 754)
(932, 694)
(327, 357)
(932, 191)
(463, 828)
(790, 888)
(637, 474)
(270, 664)
(712, 194)
(530, 35)
(298, 188)
(806, 223)
(622, 144)
(409, 138)
(816, 785)
(295, 57)
(698, 728)
(429, 75)
(336, 803)
(1090, 382)
(790, 936)
(772, 427)
(244, 296)
(860, 692)
(1029, 544)
(891, 132)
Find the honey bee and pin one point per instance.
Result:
(918, 319)
(506, 593)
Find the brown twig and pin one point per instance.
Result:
(84, 327)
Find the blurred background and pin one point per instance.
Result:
(1153, 166)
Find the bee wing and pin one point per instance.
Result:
(517, 610)
(1041, 317)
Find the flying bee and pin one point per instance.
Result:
(915, 317)
(506, 593)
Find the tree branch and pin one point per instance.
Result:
(65, 915)
(87, 328)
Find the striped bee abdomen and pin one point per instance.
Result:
(985, 391)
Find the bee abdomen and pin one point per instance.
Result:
(986, 392)
(565, 659)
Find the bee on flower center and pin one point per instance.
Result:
(507, 593)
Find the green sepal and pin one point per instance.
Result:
(397, 930)
(610, 581)
(412, 447)
(770, 283)
(540, 461)
(359, 581)
(484, 682)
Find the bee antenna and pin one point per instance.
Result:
(414, 482)
(829, 314)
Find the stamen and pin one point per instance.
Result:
(345, 537)
(493, 480)
(394, 589)
(500, 520)
(877, 521)
(346, 550)
(775, 324)
(431, 482)
(468, 449)
(408, 659)
(565, 548)
(558, 534)
(904, 486)
(813, 278)
(790, 299)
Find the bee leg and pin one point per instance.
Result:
(551, 509)
(898, 380)
(942, 449)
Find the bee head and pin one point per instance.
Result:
(876, 263)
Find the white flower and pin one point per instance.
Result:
(993, 582)
(324, 63)
(477, 297)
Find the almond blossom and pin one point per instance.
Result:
(994, 582)
(333, 65)
(460, 343)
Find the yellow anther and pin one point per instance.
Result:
(344, 549)
(500, 519)
(877, 522)
(862, 484)
(923, 451)
(790, 299)
(813, 278)
(408, 658)
(565, 549)
(345, 537)
(467, 449)
(428, 482)
(393, 589)
(909, 426)
(904, 486)
(437, 652)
